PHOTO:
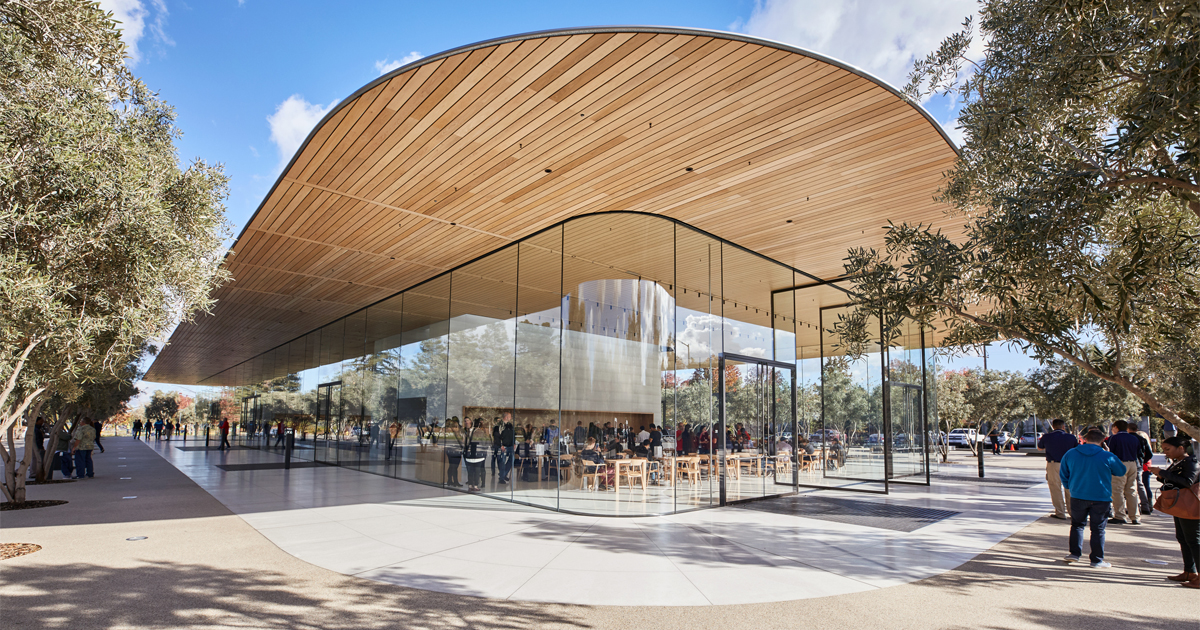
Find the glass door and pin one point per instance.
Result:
(908, 432)
(752, 454)
(329, 422)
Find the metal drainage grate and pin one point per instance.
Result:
(1024, 483)
(265, 466)
(900, 518)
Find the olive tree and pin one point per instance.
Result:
(106, 241)
(1078, 186)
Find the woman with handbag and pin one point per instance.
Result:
(1180, 497)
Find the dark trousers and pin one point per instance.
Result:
(66, 464)
(83, 464)
(495, 456)
(1081, 511)
(224, 442)
(453, 462)
(506, 462)
(1149, 509)
(1187, 532)
(475, 474)
(279, 438)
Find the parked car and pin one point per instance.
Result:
(1029, 440)
(962, 438)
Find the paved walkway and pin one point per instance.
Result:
(415, 535)
(201, 566)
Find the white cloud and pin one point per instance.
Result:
(882, 37)
(291, 122)
(384, 66)
(136, 21)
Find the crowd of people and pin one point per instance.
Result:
(1098, 480)
(71, 448)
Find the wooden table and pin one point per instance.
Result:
(618, 464)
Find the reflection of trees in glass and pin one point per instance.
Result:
(849, 407)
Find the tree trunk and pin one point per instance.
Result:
(59, 422)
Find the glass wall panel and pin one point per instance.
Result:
(481, 365)
(698, 342)
(422, 387)
(538, 330)
(906, 404)
(751, 390)
(853, 434)
(360, 430)
(381, 375)
(330, 410)
(618, 275)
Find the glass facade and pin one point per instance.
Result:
(615, 364)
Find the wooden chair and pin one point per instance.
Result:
(666, 469)
(597, 475)
(782, 465)
(636, 472)
(688, 468)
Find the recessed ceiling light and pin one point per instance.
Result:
(688, 169)
(549, 171)
(789, 220)
(453, 223)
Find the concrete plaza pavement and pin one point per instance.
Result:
(202, 566)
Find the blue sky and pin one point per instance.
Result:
(248, 79)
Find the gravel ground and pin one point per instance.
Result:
(203, 567)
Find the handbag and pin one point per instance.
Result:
(1181, 502)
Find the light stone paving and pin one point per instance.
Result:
(419, 536)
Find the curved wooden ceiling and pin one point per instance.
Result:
(463, 152)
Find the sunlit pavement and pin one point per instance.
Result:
(424, 537)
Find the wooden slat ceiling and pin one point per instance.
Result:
(465, 152)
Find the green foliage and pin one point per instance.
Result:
(162, 406)
(104, 240)
(1067, 392)
(1078, 188)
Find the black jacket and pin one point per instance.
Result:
(1181, 474)
(508, 436)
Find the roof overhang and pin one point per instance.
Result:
(782, 151)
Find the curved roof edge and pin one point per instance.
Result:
(588, 30)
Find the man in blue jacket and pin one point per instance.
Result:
(1087, 471)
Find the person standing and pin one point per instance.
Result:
(1182, 475)
(1142, 479)
(62, 448)
(98, 425)
(137, 429)
(1126, 446)
(1056, 443)
(224, 429)
(83, 441)
(508, 440)
(579, 437)
(994, 437)
(279, 436)
(496, 425)
(1087, 471)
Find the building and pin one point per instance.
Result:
(620, 225)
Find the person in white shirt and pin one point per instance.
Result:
(643, 435)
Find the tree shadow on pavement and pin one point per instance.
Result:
(171, 595)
